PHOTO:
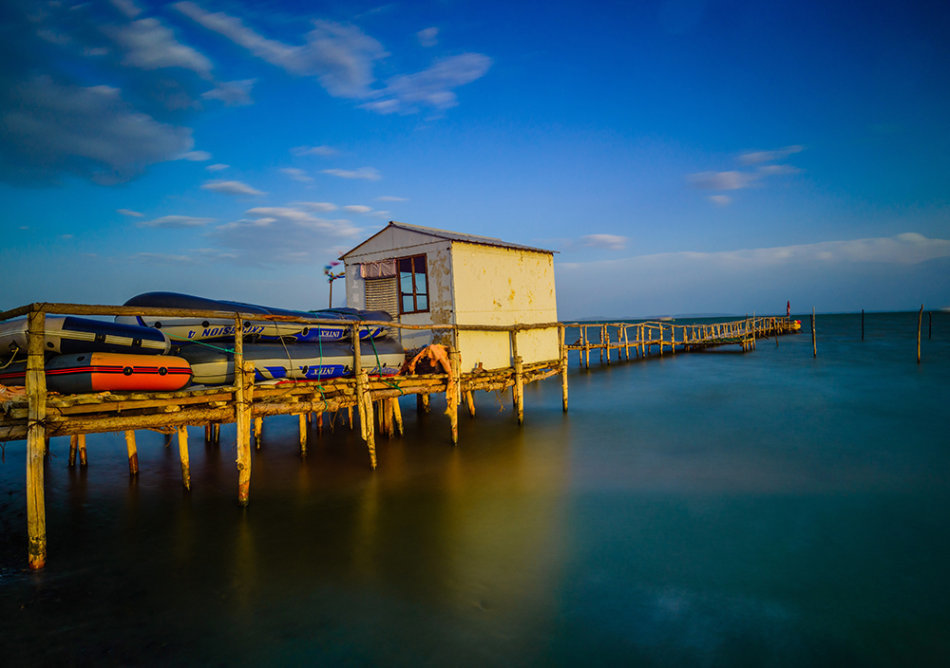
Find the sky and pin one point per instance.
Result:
(681, 156)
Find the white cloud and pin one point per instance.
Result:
(217, 167)
(130, 213)
(149, 45)
(608, 241)
(318, 206)
(232, 93)
(195, 156)
(340, 56)
(297, 174)
(282, 234)
(231, 188)
(357, 208)
(428, 37)
(366, 173)
(391, 198)
(755, 157)
(314, 150)
(721, 200)
(432, 87)
(778, 170)
(176, 222)
(128, 8)
(48, 128)
(731, 180)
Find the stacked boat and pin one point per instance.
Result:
(147, 353)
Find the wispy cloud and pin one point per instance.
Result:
(317, 206)
(130, 213)
(428, 37)
(176, 222)
(340, 56)
(432, 87)
(324, 151)
(608, 241)
(366, 173)
(731, 180)
(756, 157)
(357, 208)
(720, 200)
(391, 198)
(149, 45)
(232, 93)
(89, 131)
(290, 234)
(297, 174)
(231, 188)
(195, 156)
(217, 167)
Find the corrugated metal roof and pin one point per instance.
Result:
(454, 236)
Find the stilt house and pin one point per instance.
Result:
(425, 276)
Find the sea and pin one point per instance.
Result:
(719, 508)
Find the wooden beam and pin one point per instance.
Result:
(36, 440)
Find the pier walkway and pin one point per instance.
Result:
(36, 415)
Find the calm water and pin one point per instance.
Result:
(702, 509)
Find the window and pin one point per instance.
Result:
(413, 284)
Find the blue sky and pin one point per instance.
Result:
(681, 156)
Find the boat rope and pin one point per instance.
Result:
(16, 349)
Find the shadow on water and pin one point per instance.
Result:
(740, 509)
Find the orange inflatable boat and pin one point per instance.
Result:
(101, 372)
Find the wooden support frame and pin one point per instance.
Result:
(36, 440)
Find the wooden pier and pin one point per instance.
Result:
(656, 338)
(38, 415)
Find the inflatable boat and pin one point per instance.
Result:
(101, 372)
(205, 329)
(69, 334)
(300, 361)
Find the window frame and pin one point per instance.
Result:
(415, 294)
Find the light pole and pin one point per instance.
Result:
(328, 271)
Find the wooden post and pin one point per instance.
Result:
(133, 453)
(302, 423)
(920, 320)
(862, 324)
(422, 403)
(364, 399)
(243, 379)
(586, 348)
(626, 345)
(517, 391)
(397, 415)
(216, 434)
(183, 456)
(349, 417)
(258, 428)
(470, 402)
(81, 446)
(564, 367)
(209, 437)
(607, 345)
(36, 440)
(814, 341)
(603, 334)
(452, 392)
(73, 441)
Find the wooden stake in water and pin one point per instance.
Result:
(133, 453)
(183, 456)
(814, 342)
(920, 320)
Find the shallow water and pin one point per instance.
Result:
(701, 509)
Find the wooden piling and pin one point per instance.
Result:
(73, 441)
(562, 332)
(517, 391)
(605, 340)
(452, 391)
(422, 403)
(183, 457)
(397, 415)
(470, 402)
(302, 431)
(81, 446)
(363, 397)
(36, 440)
(243, 380)
(920, 320)
(258, 428)
(814, 341)
(133, 453)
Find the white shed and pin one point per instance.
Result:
(425, 276)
